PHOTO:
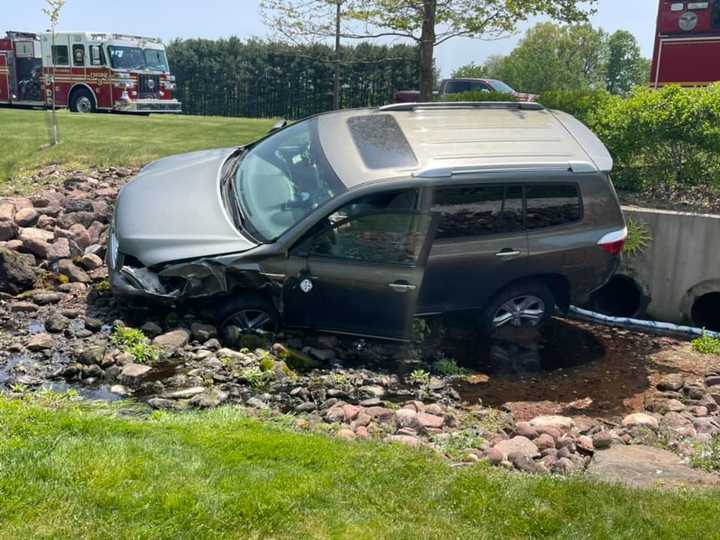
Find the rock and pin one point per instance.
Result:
(408, 440)
(120, 390)
(39, 248)
(371, 391)
(381, 414)
(60, 249)
(23, 307)
(163, 404)
(209, 399)
(585, 444)
(90, 262)
(644, 466)
(519, 444)
(56, 323)
(80, 235)
(26, 217)
(544, 441)
(346, 434)
(712, 380)
(256, 403)
(524, 463)
(151, 329)
(672, 382)
(40, 342)
(44, 298)
(494, 456)
(72, 272)
(561, 423)
(335, 414)
(526, 430)
(362, 433)
(16, 275)
(31, 233)
(406, 418)
(8, 230)
(7, 211)
(602, 440)
(305, 406)
(430, 421)
(173, 340)
(563, 466)
(184, 393)
(351, 412)
(640, 419)
(203, 332)
(133, 373)
(91, 323)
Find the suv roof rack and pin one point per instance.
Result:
(510, 105)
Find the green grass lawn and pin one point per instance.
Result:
(92, 473)
(109, 139)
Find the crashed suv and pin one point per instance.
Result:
(357, 221)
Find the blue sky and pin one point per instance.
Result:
(221, 18)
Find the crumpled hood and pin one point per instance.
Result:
(173, 210)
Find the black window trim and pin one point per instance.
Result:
(523, 185)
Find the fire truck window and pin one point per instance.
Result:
(97, 56)
(60, 55)
(716, 15)
(78, 55)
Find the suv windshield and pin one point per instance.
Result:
(137, 58)
(283, 179)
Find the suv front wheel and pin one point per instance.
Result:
(247, 315)
(527, 304)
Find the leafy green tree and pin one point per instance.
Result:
(430, 23)
(52, 11)
(626, 66)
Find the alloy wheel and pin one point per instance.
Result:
(524, 310)
(252, 321)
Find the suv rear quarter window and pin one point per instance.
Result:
(549, 205)
(478, 210)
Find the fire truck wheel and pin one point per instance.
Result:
(82, 101)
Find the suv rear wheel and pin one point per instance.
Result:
(247, 315)
(527, 304)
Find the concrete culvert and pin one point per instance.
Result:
(705, 311)
(620, 297)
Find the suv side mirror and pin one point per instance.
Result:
(277, 127)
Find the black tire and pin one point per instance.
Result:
(82, 101)
(247, 314)
(533, 302)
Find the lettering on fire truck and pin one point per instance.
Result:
(87, 72)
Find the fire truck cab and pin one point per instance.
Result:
(90, 72)
(687, 43)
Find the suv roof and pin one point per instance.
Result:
(441, 139)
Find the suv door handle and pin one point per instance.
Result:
(508, 253)
(402, 286)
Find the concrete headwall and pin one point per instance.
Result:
(680, 264)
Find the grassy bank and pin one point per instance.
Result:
(75, 472)
(109, 139)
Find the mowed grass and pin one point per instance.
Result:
(102, 140)
(76, 472)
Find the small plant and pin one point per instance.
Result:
(103, 286)
(638, 238)
(54, 397)
(448, 367)
(455, 444)
(19, 389)
(707, 455)
(267, 363)
(341, 381)
(133, 341)
(420, 330)
(420, 377)
(707, 345)
(255, 376)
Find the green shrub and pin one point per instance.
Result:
(638, 238)
(477, 96)
(420, 377)
(707, 455)
(448, 367)
(662, 138)
(707, 345)
(133, 341)
(582, 104)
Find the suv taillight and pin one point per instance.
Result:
(614, 242)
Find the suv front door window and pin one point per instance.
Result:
(361, 268)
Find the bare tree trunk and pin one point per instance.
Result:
(54, 127)
(427, 49)
(336, 88)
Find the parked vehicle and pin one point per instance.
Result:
(92, 72)
(356, 221)
(460, 86)
(687, 43)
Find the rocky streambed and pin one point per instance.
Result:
(541, 403)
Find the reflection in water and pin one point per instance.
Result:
(518, 351)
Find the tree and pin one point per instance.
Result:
(625, 65)
(430, 23)
(305, 22)
(52, 10)
(491, 69)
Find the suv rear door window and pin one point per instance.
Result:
(478, 211)
(549, 205)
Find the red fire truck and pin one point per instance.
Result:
(687, 43)
(91, 72)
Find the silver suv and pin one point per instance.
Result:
(357, 221)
